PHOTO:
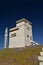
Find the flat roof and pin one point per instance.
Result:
(23, 19)
(13, 29)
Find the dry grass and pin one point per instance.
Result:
(25, 56)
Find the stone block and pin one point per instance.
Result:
(42, 49)
(40, 58)
(41, 53)
(40, 63)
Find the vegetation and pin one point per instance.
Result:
(23, 56)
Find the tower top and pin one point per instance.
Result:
(17, 24)
(23, 19)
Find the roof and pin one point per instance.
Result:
(23, 19)
(13, 29)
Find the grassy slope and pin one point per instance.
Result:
(27, 56)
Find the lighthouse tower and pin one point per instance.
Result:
(6, 38)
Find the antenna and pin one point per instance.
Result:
(6, 38)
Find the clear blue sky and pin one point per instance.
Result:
(10, 11)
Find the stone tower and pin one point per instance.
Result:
(21, 35)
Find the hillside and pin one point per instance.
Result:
(23, 56)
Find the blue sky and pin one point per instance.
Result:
(10, 11)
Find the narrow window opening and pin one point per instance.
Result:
(13, 35)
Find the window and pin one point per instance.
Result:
(13, 35)
(30, 37)
(27, 35)
(28, 28)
